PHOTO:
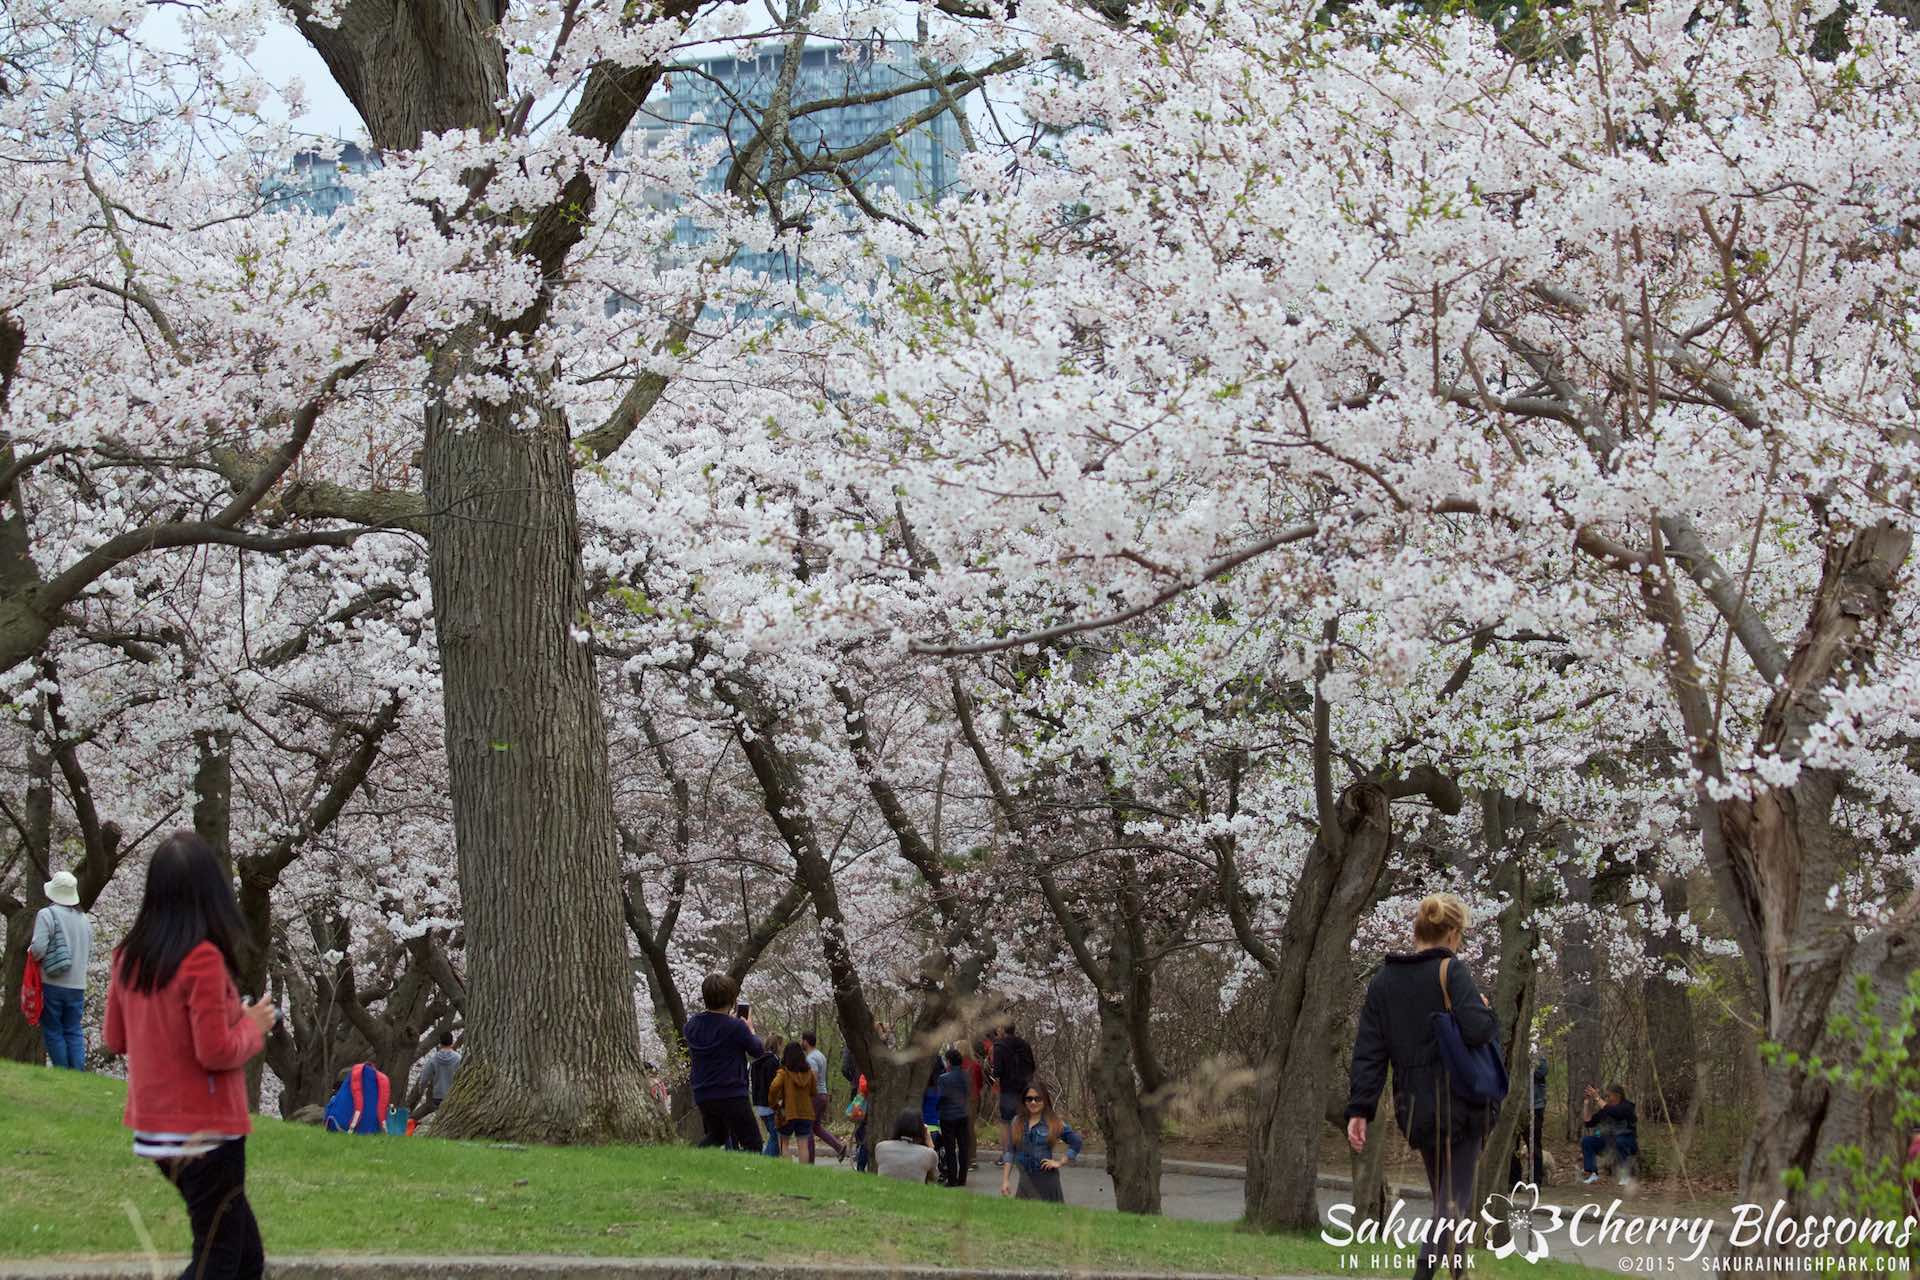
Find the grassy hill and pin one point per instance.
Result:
(71, 1187)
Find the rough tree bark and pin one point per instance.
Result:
(553, 1044)
(1775, 853)
(553, 1048)
(1669, 1078)
(1580, 980)
(1507, 824)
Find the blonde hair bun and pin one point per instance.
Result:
(1438, 915)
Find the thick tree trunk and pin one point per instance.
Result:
(553, 1042)
(1310, 988)
(1776, 855)
(1129, 1125)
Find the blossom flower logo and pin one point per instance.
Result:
(1516, 1208)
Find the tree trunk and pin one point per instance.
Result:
(1368, 1170)
(1775, 855)
(1513, 998)
(1309, 994)
(553, 1042)
(1129, 1124)
(1667, 1095)
(19, 1039)
(1580, 980)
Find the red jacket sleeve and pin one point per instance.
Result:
(223, 1036)
(114, 1033)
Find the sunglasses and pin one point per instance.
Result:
(1034, 1097)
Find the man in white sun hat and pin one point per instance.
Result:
(63, 943)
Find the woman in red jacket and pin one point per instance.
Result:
(172, 1009)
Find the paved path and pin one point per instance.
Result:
(1218, 1196)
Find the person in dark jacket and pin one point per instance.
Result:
(759, 1076)
(1396, 1028)
(718, 1046)
(956, 1117)
(1613, 1124)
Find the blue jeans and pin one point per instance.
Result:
(773, 1135)
(1625, 1147)
(60, 1026)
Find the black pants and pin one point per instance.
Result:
(226, 1239)
(730, 1120)
(1450, 1178)
(953, 1164)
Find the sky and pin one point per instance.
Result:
(283, 56)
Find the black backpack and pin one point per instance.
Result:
(1020, 1058)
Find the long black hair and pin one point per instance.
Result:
(909, 1127)
(189, 900)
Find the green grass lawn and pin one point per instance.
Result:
(70, 1186)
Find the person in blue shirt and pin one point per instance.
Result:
(1035, 1132)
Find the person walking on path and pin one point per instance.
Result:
(1037, 1131)
(1013, 1066)
(436, 1076)
(908, 1155)
(719, 1045)
(1396, 1028)
(173, 1009)
(63, 943)
(956, 1116)
(817, 1061)
(792, 1092)
(760, 1080)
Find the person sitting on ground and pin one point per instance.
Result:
(719, 1045)
(436, 1077)
(791, 1093)
(909, 1154)
(1612, 1123)
(1037, 1131)
(360, 1102)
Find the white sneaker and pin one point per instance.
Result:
(1590, 1179)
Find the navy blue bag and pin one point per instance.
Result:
(1477, 1074)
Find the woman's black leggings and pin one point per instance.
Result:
(226, 1239)
(1450, 1169)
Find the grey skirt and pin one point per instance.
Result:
(1041, 1184)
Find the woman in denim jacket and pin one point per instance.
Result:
(1035, 1131)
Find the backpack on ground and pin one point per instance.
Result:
(359, 1105)
(58, 957)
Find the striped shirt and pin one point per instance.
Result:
(178, 1146)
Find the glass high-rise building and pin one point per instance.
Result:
(727, 94)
